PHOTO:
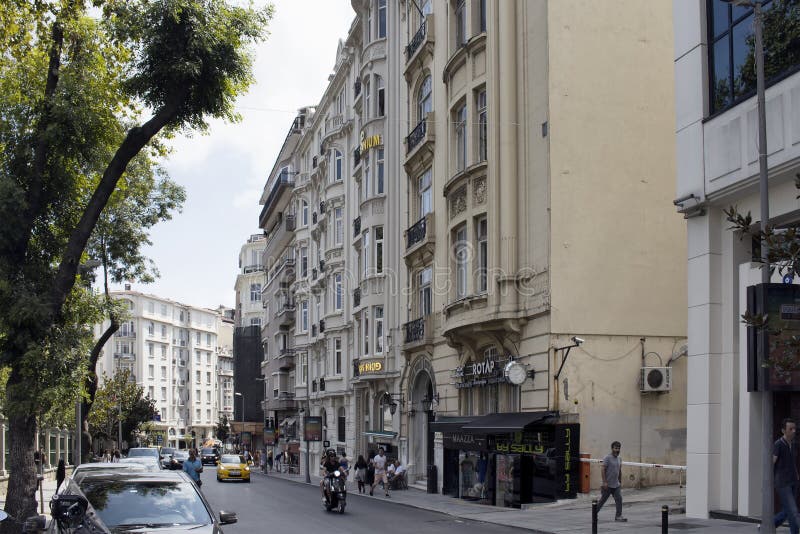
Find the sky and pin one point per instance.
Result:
(224, 171)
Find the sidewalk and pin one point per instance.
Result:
(641, 507)
(47, 491)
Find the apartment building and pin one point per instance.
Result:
(225, 362)
(248, 390)
(171, 350)
(718, 167)
(506, 194)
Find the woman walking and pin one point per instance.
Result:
(361, 473)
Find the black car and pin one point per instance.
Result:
(209, 455)
(178, 457)
(114, 502)
(166, 456)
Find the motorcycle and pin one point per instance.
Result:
(336, 496)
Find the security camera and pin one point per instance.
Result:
(577, 340)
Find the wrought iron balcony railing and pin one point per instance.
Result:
(357, 297)
(412, 47)
(415, 330)
(416, 136)
(416, 233)
(356, 226)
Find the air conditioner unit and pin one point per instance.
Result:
(656, 379)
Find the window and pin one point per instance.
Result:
(150, 349)
(163, 352)
(208, 415)
(208, 397)
(461, 24)
(482, 142)
(197, 335)
(151, 392)
(208, 339)
(304, 316)
(197, 414)
(275, 393)
(208, 358)
(303, 262)
(379, 249)
(341, 425)
(424, 98)
(338, 226)
(255, 296)
(482, 20)
(163, 394)
(208, 378)
(163, 330)
(197, 377)
(255, 321)
(379, 97)
(151, 371)
(365, 252)
(381, 19)
(151, 328)
(337, 356)
(425, 291)
(304, 367)
(425, 194)
(379, 172)
(163, 309)
(483, 253)
(461, 254)
(304, 213)
(731, 65)
(197, 395)
(368, 26)
(337, 166)
(163, 373)
(365, 332)
(461, 137)
(337, 296)
(378, 315)
(151, 308)
(366, 99)
(197, 357)
(367, 181)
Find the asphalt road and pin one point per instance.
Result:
(277, 506)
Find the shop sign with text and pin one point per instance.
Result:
(370, 141)
(464, 442)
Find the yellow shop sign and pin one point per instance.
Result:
(366, 368)
(369, 142)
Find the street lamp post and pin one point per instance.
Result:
(767, 509)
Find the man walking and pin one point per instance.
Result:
(380, 472)
(785, 475)
(193, 467)
(612, 480)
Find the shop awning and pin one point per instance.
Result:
(503, 423)
(452, 423)
(380, 434)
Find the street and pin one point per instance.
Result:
(274, 505)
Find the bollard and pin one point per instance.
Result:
(594, 516)
(664, 519)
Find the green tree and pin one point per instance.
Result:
(119, 398)
(221, 431)
(82, 94)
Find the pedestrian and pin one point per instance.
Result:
(193, 467)
(612, 480)
(61, 473)
(270, 461)
(263, 461)
(785, 478)
(116, 456)
(278, 461)
(379, 462)
(106, 455)
(361, 473)
(38, 459)
(344, 466)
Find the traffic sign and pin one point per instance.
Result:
(788, 278)
(159, 439)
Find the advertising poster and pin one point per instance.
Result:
(312, 426)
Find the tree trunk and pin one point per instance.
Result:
(90, 386)
(21, 497)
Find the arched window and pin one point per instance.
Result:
(340, 425)
(424, 100)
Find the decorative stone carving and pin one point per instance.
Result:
(479, 191)
(458, 201)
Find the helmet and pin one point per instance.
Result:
(331, 453)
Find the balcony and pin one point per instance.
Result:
(422, 41)
(420, 241)
(420, 142)
(283, 182)
(357, 227)
(357, 297)
(285, 314)
(125, 356)
(253, 269)
(125, 333)
(280, 235)
(284, 271)
(285, 401)
(418, 332)
(286, 359)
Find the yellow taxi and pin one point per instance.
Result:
(232, 467)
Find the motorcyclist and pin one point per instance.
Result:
(330, 463)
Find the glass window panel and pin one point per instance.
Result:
(722, 72)
(720, 17)
(743, 67)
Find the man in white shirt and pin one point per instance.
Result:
(379, 462)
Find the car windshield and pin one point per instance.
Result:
(209, 452)
(182, 455)
(167, 450)
(232, 459)
(142, 452)
(146, 503)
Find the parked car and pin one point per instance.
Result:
(166, 454)
(149, 463)
(178, 458)
(111, 502)
(82, 470)
(233, 467)
(209, 455)
(137, 452)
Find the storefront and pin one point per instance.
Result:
(509, 459)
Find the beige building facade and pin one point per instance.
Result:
(505, 187)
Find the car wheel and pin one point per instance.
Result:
(219, 479)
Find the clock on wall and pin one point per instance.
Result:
(515, 372)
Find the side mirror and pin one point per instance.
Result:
(226, 518)
(68, 509)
